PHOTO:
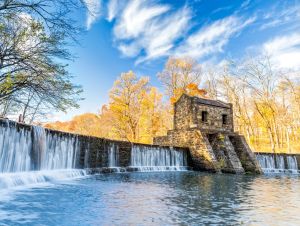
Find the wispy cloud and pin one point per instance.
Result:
(284, 50)
(93, 11)
(245, 4)
(221, 9)
(136, 17)
(113, 7)
(213, 37)
(148, 30)
(278, 17)
(162, 35)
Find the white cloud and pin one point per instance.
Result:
(130, 50)
(212, 38)
(150, 29)
(245, 4)
(136, 17)
(279, 17)
(93, 11)
(284, 50)
(159, 39)
(113, 8)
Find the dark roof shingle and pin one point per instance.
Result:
(216, 103)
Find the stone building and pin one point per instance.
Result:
(206, 128)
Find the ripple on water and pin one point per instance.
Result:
(186, 198)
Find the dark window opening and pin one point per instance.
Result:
(204, 116)
(224, 119)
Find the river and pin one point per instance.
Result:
(162, 198)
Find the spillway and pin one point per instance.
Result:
(147, 158)
(278, 163)
(33, 155)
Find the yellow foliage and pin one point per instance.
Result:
(268, 116)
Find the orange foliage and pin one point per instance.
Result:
(191, 89)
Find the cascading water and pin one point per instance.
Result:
(280, 162)
(113, 155)
(292, 163)
(277, 163)
(15, 149)
(145, 158)
(31, 155)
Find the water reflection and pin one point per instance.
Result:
(180, 198)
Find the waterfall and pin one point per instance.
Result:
(33, 155)
(86, 156)
(113, 155)
(15, 149)
(145, 158)
(292, 162)
(54, 151)
(278, 163)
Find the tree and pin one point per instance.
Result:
(135, 113)
(33, 38)
(126, 98)
(156, 118)
(178, 75)
(55, 15)
(264, 99)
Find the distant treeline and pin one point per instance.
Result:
(266, 103)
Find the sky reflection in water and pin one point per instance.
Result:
(186, 198)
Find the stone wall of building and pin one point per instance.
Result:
(188, 114)
(245, 154)
(214, 152)
(201, 152)
(225, 153)
(214, 117)
(182, 113)
(213, 144)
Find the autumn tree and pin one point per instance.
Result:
(265, 102)
(155, 118)
(126, 98)
(178, 75)
(135, 113)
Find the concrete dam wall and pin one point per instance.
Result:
(27, 148)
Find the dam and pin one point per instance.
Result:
(46, 179)
(202, 140)
(33, 154)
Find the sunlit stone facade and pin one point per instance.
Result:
(206, 128)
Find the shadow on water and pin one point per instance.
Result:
(180, 198)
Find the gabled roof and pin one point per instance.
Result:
(215, 103)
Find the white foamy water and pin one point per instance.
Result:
(158, 168)
(31, 155)
(145, 158)
(113, 155)
(278, 163)
(9, 180)
(15, 149)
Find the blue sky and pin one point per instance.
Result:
(140, 36)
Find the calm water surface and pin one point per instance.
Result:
(170, 198)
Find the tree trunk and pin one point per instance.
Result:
(271, 140)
